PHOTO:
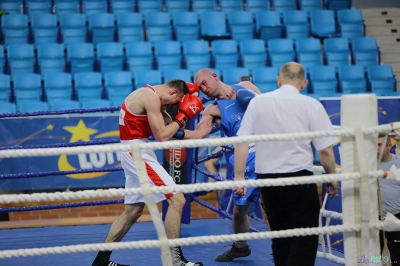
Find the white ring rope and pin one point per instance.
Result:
(180, 241)
(389, 224)
(192, 143)
(332, 214)
(189, 188)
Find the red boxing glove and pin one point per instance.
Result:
(189, 107)
(193, 89)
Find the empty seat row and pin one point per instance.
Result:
(323, 82)
(192, 55)
(118, 84)
(172, 6)
(57, 105)
(124, 27)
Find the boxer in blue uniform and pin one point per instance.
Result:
(228, 109)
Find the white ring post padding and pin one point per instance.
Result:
(358, 111)
(151, 205)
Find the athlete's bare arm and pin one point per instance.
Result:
(211, 115)
(250, 86)
(166, 115)
(144, 101)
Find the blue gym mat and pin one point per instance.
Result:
(90, 234)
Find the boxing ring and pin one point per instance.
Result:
(205, 238)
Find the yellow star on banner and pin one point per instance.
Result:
(80, 132)
(50, 127)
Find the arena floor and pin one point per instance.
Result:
(86, 234)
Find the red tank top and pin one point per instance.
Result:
(133, 126)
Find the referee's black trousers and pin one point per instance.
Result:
(290, 207)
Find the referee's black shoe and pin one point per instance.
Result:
(103, 259)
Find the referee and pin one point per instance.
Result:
(282, 111)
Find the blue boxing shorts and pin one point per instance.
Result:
(253, 193)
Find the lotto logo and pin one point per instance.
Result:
(194, 108)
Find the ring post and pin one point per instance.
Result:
(358, 111)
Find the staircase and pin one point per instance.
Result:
(384, 25)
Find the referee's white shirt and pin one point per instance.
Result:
(285, 110)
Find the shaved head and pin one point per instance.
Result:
(203, 71)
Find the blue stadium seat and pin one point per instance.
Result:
(202, 6)
(149, 6)
(381, 79)
(15, 28)
(32, 106)
(58, 85)
(95, 103)
(323, 80)
(66, 6)
(64, 105)
(6, 107)
(80, 57)
(352, 79)
(268, 25)
(139, 56)
(88, 85)
(110, 56)
(225, 54)
(186, 26)
(228, 6)
(337, 4)
(94, 6)
(337, 52)
(232, 75)
(143, 77)
(38, 6)
(2, 59)
(122, 6)
(256, 5)
(323, 23)
(283, 5)
(158, 27)
(196, 55)
(296, 24)
(118, 84)
(129, 27)
(5, 88)
(102, 27)
(182, 74)
(168, 55)
(265, 78)
(117, 101)
(309, 52)
(280, 51)
(177, 6)
(51, 58)
(44, 28)
(351, 23)
(365, 51)
(12, 6)
(309, 5)
(213, 25)
(73, 28)
(27, 86)
(241, 25)
(21, 58)
(58, 95)
(253, 53)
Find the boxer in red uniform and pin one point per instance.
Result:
(142, 114)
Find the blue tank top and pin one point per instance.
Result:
(231, 115)
(393, 149)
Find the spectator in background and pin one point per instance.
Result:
(390, 193)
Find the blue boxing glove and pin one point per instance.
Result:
(244, 96)
(180, 134)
